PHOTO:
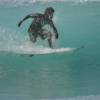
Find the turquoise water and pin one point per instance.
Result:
(66, 76)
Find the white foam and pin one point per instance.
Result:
(17, 3)
(9, 38)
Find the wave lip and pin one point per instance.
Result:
(16, 3)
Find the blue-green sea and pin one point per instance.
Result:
(61, 76)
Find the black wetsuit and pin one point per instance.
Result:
(36, 27)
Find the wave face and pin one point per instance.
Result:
(74, 76)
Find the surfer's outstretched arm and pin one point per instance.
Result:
(26, 17)
(54, 28)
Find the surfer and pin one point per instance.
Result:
(36, 28)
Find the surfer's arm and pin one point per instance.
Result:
(54, 28)
(26, 17)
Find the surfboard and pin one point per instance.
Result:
(45, 51)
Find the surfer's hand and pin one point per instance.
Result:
(56, 36)
(19, 24)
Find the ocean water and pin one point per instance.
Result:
(63, 76)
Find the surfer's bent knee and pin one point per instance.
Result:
(32, 36)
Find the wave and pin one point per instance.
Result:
(17, 3)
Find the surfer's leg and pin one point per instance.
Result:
(48, 35)
(50, 43)
(32, 35)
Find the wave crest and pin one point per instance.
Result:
(16, 3)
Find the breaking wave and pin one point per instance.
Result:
(17, 3)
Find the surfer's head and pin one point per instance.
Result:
(49, 12)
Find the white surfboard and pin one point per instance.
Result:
(44, 51)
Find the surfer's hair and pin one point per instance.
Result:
(49, 9)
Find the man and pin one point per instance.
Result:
(36, 28)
